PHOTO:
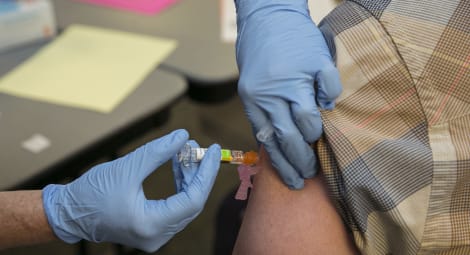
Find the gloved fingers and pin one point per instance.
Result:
(306, 115)
(153, 154)
(177, 173)
(285, 170)
(291, 142)
(190, 202)
(329, 86)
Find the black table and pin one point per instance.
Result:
(78, 137)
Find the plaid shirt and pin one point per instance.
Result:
(396, 149)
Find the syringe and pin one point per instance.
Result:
(189, 155)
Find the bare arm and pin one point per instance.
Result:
(22, 219)
(283, 221)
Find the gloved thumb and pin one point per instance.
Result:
(204, 180)
(329, 87)
(189, 203)
(153, 154)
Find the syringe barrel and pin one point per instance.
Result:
(193, 155)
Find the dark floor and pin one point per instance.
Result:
(222, 123)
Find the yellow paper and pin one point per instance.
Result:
(88, 67)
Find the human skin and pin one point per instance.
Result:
(22, 219)
(283, 221)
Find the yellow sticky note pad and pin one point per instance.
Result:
(88, 67)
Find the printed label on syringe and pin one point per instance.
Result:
(225, 155)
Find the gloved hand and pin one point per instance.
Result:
(280, 55)
(108, 203)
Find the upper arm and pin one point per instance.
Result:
(282, 221)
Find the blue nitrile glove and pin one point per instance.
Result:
(280, 55)
(108, 202)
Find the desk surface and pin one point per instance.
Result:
(71, 131)
(201, 55)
